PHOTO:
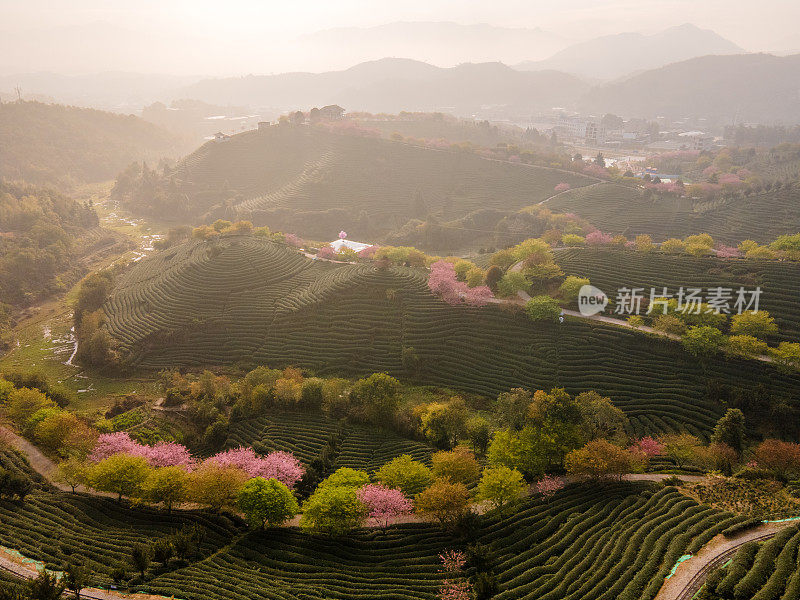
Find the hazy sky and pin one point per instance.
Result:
(241, 36)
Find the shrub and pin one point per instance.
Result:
(543, 308)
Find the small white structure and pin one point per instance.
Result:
(342, 243)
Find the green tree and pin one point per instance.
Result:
(140, 558)
(24, 402)
(703, 341)
(479, 434)
(445, 501)
(45, 587)
(267, 501)
(599, 417)
(745, 346)
(730, 430)
(511, 283)
(215, 486)
(120, 474)
(571, 286)
(599, 459)
(756, 324)
(457, 466)
(444, 423)
(501, 486)
(405, 474)
(493, 276)
(166, 485)
(681, 448)
(512, 408)
(72, 472)
(76, 578)
(543, 308)
(376, 397)
(333, 511)
(346, 477)
(787, 357)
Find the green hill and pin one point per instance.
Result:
(611, 270)
(66, 146)
(305, 180)
(242, 299)
(735, 217)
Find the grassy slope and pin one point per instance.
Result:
(252, 301)
(612, 269)
(621, 209)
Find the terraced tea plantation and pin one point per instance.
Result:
(630, 211)
(611, 270)
(54, 527)
(315, 183)
(305, 434)
(612, 542)
(760, 571)
(242, 299)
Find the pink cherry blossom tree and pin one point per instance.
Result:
(454, 590)
(327, 253)
(562, 187)
(383, 503)
(548, 485)
(342, 235)
(109, 444)
(293, 240)
(443, 282)
(598, 238)
(282, 466)
(648, 446)
(163, 454)
(453, 561)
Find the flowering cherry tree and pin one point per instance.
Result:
(547, 486)
(383, 503)
(598, 238)
(282, 466)
(562, 187)
(293, 240)
(648, 446)
(453, 561)
(342, 235)
(454, 590)
(163, 454)
(327, 253)
(443, 282)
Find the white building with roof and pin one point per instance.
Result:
(351, 245)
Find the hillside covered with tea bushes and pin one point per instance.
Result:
(731, 218)
(306, 180)
(246, 300)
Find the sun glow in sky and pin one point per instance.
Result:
(242, 36)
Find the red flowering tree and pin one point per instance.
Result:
(383, 503)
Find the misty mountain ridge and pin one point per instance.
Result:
(744, 88)
(613, 56)
(396, 84)
(438, 42)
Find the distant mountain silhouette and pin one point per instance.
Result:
(440, 43)
(395, 84)
(758, 88)
(613, 56)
